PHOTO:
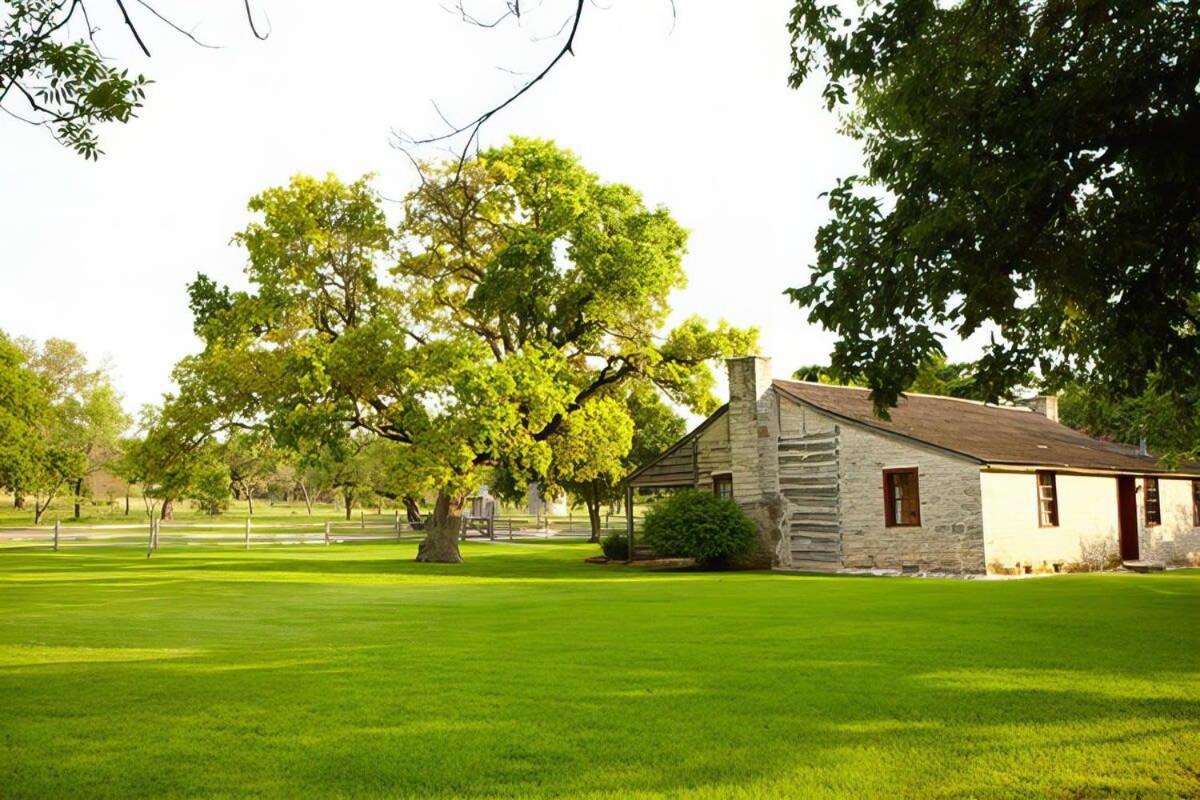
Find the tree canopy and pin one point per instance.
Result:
(1030, 167)
(518, 288)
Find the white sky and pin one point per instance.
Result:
(699, 118)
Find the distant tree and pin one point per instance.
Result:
(1170, 428)
(87, 419)
(588, 452)
(629, 429)
(53, 74)
(250, 459)
(35, 454)
(935, 376)
(173, 446)
(522, 287)
(1029, 166)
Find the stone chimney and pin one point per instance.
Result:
(753, 443)
(1046, 405)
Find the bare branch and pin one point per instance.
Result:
(137, 36)
(175, 27)
(472, 128)
(253, 26)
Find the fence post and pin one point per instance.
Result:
(247, 533)
(362, 520)
(56, 534)
(150, 539)
(510, 529)
(157, 529)
(327, 533)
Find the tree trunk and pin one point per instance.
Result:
(441, 537)
(78, 494)
(307, 499)
(349, 498)
(37, 508)
(249, 500)
(168, 509)
(127, 501)
(412, 510)
(18, 499)
(592, 501)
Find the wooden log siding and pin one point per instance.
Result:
(808, 479)
(687, 463)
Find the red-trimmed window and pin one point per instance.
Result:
(1153, 507)
(723, 486)
(901, 498)
(1047, 498)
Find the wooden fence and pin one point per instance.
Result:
(156, 533)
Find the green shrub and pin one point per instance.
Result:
(615, 546)
(699, 525)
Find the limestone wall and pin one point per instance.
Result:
(950, 536)
(1176, 540)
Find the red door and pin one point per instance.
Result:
(1127, 517)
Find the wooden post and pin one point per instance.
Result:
(157, 526)
(362, 520)
(56, 534)
(247, 533)
(327, 533)
(510, 529)
(150, 539)
(629, 517)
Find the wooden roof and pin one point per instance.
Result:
(989, 434)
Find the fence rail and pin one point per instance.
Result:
(153, 534)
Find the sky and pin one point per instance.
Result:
(693, 110)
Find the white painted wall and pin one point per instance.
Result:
(1087, 517)
(1087, 520)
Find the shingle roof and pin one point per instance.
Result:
(988, 433)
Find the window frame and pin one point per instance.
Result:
(1157, 519)
(889, 511)
(1196, 502)
(722, 479)
(1053, 499)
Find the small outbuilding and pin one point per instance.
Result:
(945, 485)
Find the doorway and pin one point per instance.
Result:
(1127, 517)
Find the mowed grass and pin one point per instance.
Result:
(353, 671)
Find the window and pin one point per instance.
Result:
(1196, 503)
(901, 498)
(1153, 510)
(723, 486)
(1047, 496)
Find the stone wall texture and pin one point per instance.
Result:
(950, 536)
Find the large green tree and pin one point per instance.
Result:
(1031, 167)
(518, 288)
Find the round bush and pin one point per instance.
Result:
(699, 525)
(615, 546)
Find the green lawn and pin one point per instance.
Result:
(353, 671)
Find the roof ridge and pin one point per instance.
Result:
(983, 403)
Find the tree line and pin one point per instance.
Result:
(510, 328)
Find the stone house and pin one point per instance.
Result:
(945, 485)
